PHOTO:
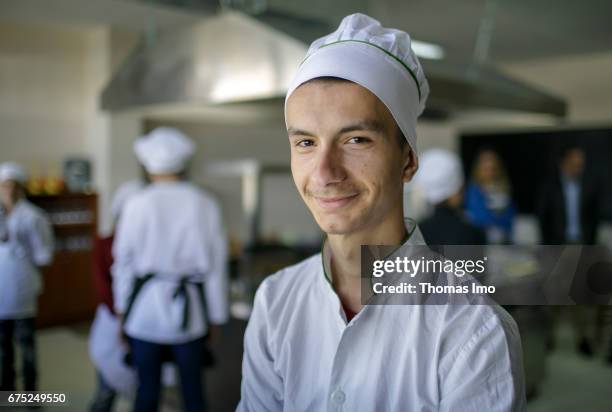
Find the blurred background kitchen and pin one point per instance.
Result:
(520, 90)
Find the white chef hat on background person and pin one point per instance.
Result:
(13, 171)
(375, 57)
(440, 175)
(164, 151)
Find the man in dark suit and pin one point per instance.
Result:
(569, 204)
(569, 210)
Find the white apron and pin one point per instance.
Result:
(20, 283)
(107, 354)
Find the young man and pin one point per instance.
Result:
(310, 343)
(169, 277)
(26, 243)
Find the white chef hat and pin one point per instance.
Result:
(164, 150)
(440, 175)
(13, 171)
(377, 58)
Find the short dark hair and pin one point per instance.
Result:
(401, 138)
(326, 79)
(566, 149)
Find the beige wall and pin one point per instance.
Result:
(45, 95)
(50, 81)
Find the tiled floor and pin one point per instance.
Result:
(64, 366)
(572, 384)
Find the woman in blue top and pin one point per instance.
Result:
(488, 199)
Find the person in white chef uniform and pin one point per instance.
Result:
(169, 273)
(311, 344)
(26, 244)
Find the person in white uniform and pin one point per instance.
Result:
(169, 271)
(26, 244)
(311, 345)
(440, 179)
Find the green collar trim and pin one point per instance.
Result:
(325, 274)
(393, 56)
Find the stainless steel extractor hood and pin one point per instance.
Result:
(226, 58)
(455, 87)
(232, 57)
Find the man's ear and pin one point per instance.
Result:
(411, 164)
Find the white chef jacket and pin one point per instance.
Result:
(173, 230)
(301, 355)
(30, 245)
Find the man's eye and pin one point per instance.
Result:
(304, 143)
(359, 139)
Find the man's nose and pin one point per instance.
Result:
(329, 168)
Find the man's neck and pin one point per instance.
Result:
(10, 206)
(570, 177)
(164, 178)
(346, 256)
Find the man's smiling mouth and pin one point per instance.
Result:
(334, 202)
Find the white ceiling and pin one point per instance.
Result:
(522, 30)
(118, 14)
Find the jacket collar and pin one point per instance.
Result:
(413, 237)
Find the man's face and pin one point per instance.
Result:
(346, 160)
(8, 192)
(573, 163)
(488, 166)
